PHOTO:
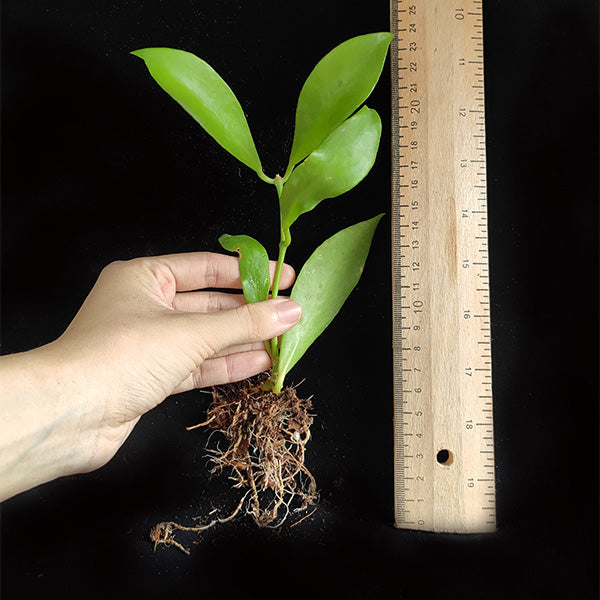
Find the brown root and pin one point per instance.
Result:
(266, 435)
(163, 533)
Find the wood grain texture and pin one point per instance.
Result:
(443, 417)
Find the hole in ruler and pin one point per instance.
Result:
(444, 457)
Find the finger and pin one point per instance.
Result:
(211, 333)
(206, 301)
(239, 348)
(199, 270)
(287, 275)
(226, 369)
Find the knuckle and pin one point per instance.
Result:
(228, 367)
(139, 263)
(214, 302)
(113, 267)
(127, 268)
(211, 273)
(198, 378)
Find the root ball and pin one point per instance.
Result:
(265, 438)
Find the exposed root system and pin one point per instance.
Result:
(266, 436)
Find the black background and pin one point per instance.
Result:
(99, 164)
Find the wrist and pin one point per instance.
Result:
(40, 438)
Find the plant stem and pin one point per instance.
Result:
(284, 242)
(265, 178)
(269, 348)
(278, 385)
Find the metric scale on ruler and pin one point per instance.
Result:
(443, 419)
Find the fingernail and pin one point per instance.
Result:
(289, 312)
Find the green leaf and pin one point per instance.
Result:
(337, 86)
(336, 166)
(254, 265)
(324, 283)
(200, 90)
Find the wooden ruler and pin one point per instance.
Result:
(443, 420)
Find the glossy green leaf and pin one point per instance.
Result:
(336, 166)
(201, 91)
(337, 86)
(254, 265)
(324, 283)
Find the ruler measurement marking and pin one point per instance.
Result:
(438, 65)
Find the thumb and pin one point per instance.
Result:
(253, 322)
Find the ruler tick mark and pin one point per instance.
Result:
(422, 378)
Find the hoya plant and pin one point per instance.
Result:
(334, 147)
(335, 143)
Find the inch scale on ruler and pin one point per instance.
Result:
(443, 419)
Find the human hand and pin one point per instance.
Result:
(146, 331)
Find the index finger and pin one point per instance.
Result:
(200, 270)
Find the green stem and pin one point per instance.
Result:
(284, 242)
(278, 385)
(264, 177)
(269, 348)
(283, 245)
